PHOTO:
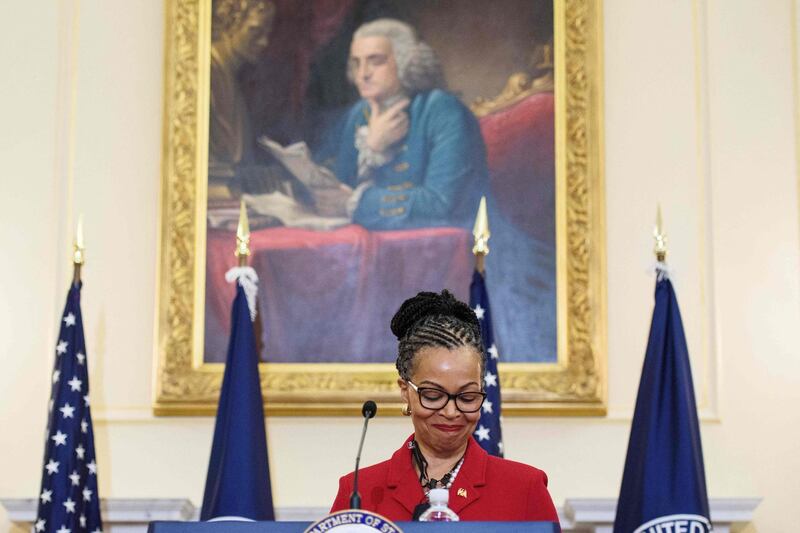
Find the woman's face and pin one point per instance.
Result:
(452, 371)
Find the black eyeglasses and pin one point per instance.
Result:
(435, 399)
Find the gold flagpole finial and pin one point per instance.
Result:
(78, 256)
(243, 236)
(660, 248)
(481, 233)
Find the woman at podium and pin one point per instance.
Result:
(441, 365)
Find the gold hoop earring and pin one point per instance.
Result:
(406, 410)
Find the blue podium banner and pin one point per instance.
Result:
(299, 527)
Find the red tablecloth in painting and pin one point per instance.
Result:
(328, 296)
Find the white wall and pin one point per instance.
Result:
(700, 116)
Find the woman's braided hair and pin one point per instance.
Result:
(430, 319)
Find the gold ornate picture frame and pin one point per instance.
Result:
(574, 385)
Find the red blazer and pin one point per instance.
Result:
(486, 488)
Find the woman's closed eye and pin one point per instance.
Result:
(470, 397)
(433, 394)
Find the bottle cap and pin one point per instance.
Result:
(439, 496)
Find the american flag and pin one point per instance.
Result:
(69, 502)
(488, 433)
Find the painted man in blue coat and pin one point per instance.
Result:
(408, 154)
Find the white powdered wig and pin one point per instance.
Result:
(417, 65)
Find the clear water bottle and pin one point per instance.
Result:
(439, 511)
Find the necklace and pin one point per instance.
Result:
(422, 465)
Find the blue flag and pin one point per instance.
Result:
(69, 501)
(664, 484)
(238, 482)
(488, 432)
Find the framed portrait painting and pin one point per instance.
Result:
(361, 135)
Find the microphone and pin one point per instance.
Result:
(368, 410)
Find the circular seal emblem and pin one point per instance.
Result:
(353, 521)
(676, 523)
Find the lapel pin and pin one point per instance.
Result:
(462, 492)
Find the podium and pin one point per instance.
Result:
(299, 527)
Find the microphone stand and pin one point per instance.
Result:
(368, 410)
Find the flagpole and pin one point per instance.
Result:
(238, 479)
(78, 252)
(663, 481)
(70, 499)
(481, 234)
(660, 237)
(488, 433)
(242, 254)
(243, 236)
